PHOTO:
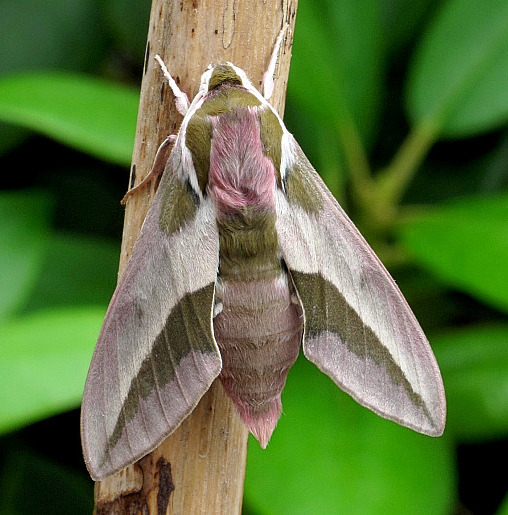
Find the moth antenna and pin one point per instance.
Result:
(267, 84)
(181, 100)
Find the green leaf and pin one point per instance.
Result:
(44, 359)
(401, 20)
(329, 455)
(334, 88)
(11, 137)
(89, 114)
(24, 229)
(459, 78)
(59, 489)
(474, 364)
(338, 68)
(465, 244)
(77, 271)
(128, 26)
(59, 33)
(503, 509)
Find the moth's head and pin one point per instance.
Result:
(226, 73)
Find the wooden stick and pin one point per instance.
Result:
(200, 467)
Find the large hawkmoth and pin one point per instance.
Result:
(244, 255)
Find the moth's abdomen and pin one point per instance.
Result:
(259, 323)
(258, 332)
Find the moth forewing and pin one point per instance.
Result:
(356, 318)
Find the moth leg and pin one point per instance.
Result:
(181, 100)
(157, 169)
(267, 83)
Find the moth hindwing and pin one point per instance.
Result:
(243, 255)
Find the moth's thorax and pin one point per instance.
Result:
(241, 176)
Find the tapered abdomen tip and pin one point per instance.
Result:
(260, 421)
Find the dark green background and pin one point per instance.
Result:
(368, 78)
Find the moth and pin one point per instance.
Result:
(243, 257)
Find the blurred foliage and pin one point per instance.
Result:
(402, 107)
(88, 114)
